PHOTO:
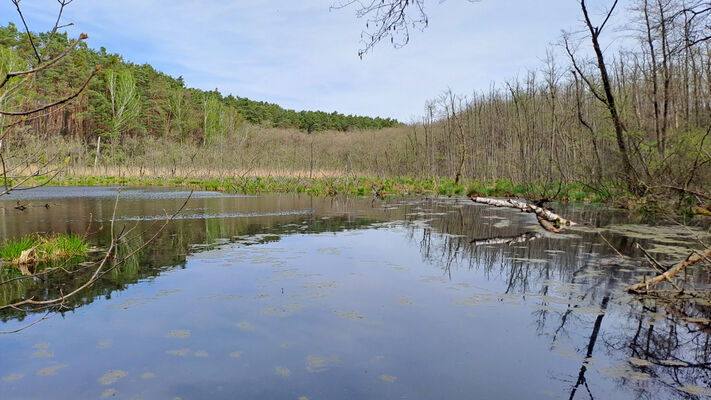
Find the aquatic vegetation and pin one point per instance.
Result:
(315, 364)
(51, 370)
(28, 252)
(112, 376)
(179, 334)
(13, 377)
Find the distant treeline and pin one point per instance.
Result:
(125, 98)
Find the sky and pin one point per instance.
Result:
(304, 56)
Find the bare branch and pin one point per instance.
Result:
(55, 60)
(27, 29)
(388, 18)
(56, 103)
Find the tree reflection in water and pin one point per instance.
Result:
(662, 348)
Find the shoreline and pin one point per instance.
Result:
(344, 185)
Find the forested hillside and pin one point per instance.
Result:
(630, 118)
(129, 99)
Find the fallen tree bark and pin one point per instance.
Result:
(547, 218)
(695, 257)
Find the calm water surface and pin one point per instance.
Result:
(289, 297)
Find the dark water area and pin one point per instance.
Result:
(292, 297)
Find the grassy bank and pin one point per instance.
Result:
(349, 186)
(32, 251)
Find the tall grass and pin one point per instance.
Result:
(261, 160)
(48, 249)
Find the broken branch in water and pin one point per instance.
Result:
(643, 287)
(549, 220)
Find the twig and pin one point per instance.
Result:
(99, 271)
(44, 317)
(693, 258)
(56, 103)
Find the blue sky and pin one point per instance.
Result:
(301, 55)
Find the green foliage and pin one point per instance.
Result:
(125, 106)
(137, 99)
(263, 113)
(49, 249)
(12, 249)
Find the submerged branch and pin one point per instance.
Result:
(643, 287)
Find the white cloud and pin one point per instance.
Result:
(301, 55)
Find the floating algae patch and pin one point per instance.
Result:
(566, 351)
(178, 352)
(476, 299)
(236, 354)
(201, 354)
(289, 273)
(673, 363)
(285, 372)
(317, 364)
(352, 315)
(321, 285)
(675, 252)
(388, 378)
(695, 320)
(404, 301)
(179, 334)
(696, 390)
(502, 224)
(625, 371)
(43, 345)
(43, 354)
(218, 297)
(51, 370)
(528, 260)
(638, 362)
(148, 375)
(592, 310)
(330, 251)
(104, 344)
(13, 377)
(130, 303)
(245, 326)
(112, 376)
(284, 310)
(428, 279)
(668, 234)
(168, 292)
(108, 393)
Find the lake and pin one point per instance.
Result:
(292, 297)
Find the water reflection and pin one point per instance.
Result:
(658, 349)
(349, 298)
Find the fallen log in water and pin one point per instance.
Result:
(547, 218)
(695, 257)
